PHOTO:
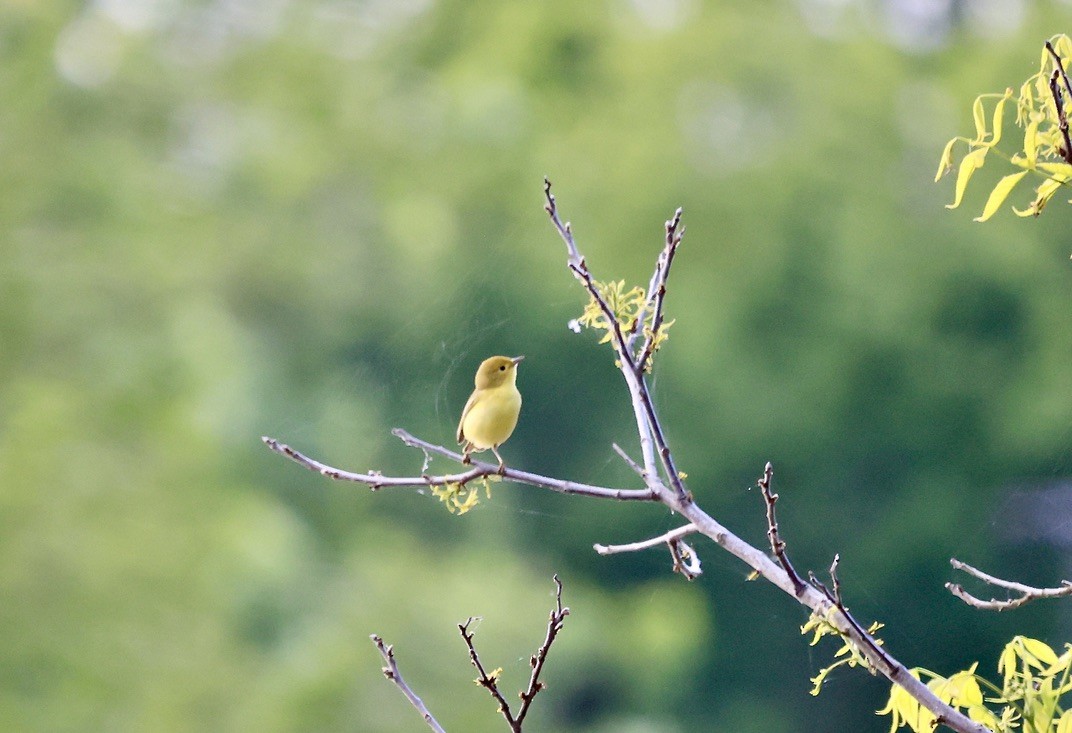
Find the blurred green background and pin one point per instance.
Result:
(312, 220)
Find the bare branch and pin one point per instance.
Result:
(1027, 592)
(489, 681)
(776, 542)
(480, 469)
(391, 672)
(579, 269)
(674, 534)
(835, 584)
(1060, 66)
(1055, 91)
(814, 596)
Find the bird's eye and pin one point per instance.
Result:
(502, 368)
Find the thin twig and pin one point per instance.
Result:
(835, 584)
(776, 542)
(869, 642)
(488, 682)
(637, 468)
(674, 534)
(554, 625)
(1055, 91)
(391, 672)
(1027, 592)
(480, 469)
(657, 289)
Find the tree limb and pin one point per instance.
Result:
(682, 502)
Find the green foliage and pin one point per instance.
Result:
(460, 499)
(847, 656)
(1029, 698)
(1045, 126)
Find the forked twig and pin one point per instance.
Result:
(489, 681)
(648, 424)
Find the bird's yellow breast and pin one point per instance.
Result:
(492, 417)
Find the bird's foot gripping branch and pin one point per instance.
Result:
(634, 326)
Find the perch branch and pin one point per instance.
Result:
(390, 671)
(1027, 592)
(480, 469)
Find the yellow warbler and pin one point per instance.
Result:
(491, 413)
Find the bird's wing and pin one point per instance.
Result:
(468, 406)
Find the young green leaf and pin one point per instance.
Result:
(971, 162)
(999, 194)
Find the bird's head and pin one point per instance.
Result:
(496, 371)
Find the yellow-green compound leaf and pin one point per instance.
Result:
(1043, 195)
(946, 163)
(984, 715)
(1060, 172)
(1037, 653)
(999, 111)
(1064, 725)
(971, 163)
(1001, 192)
(901, 707)
(1031, 138)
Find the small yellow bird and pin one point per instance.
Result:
(490, 415)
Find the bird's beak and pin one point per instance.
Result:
(517, 360)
